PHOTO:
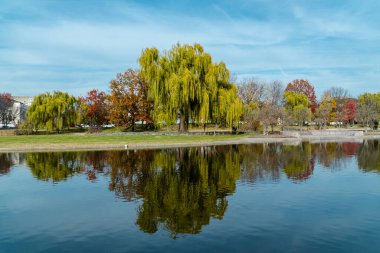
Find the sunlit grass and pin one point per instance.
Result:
(78, 140)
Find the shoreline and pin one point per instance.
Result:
(163, 145)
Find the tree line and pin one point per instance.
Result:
(269, 104)
(185, 86)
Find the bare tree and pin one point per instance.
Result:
(269, 116)
(323, 113)
(274, 93)
(338, 93)
(368, 113)
(251, 91)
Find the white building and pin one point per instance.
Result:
(20, 107)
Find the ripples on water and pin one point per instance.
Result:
(321, 197)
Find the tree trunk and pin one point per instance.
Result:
(182, 122)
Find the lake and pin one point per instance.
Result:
(312, 197)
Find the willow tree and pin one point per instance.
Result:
(185, 83)
(53, 166)
(53, 111)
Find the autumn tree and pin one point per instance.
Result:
(329, 99)
(324, 111)
(304, 87)
(6, 114)
(340, 97)
(185, 83)
(129, 99)
(94, 108)
(350, 111)
(53, 111)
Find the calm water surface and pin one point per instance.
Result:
(322, 197)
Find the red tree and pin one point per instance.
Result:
(304, 87)
(349, 111)
(95, 107)
(6, 103)
(129, 99)
(350, 148)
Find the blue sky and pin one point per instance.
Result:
(75, 45)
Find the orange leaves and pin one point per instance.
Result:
(129, 99)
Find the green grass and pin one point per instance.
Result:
(78, 140)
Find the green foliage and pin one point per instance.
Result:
(369, 156)
(251, 116)
(184, 81)
(302, 113)
(181, 188)
(298, 164)
(293, 99)
(53, 111)
(297, 106)
(53, 166)
(190, 187)
(369, 108)
(370, 98)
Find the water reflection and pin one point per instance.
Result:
(267, 161)
(53, 166)
(369, 156)
(182, 189)
(6, 162)
(188, 187)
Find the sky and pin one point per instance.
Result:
(78, 45)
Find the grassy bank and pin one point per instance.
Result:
(81, 141)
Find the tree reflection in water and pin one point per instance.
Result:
(6, 163)
(268, 160)
(182, 189)
(53, 166)
(369, 156)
